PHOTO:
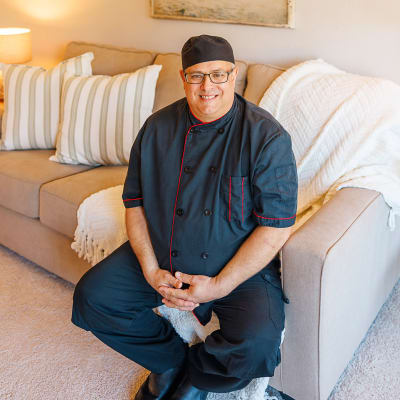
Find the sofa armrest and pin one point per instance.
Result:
(305, 260)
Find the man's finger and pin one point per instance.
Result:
(170, 304)
(172, 281)
(175, 293)
(186, 278)
(181, 303)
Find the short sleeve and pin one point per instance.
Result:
(274, 184)
(132, 192)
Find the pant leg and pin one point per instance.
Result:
(247, 345)
(114, 301)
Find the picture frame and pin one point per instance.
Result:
(271, 13)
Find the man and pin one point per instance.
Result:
(210, 194)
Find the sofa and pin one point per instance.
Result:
(338, 268)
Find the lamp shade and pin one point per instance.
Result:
(15, 45)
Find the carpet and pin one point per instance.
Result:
(43, 356)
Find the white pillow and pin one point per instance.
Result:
(101, 116)
(32, 102)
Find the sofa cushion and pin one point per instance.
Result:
(259, 78)
(32, 102)
(102, 115)
(111, 60)
(23, 172)
(169, 86)
(60, 199)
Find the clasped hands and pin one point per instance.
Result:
(201, 290)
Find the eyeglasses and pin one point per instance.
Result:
(196, 78)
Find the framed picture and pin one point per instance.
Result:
(275, 13)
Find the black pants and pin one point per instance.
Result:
(114, 301)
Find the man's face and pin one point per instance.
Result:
(207, 100)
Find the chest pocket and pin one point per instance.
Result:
(236, 200)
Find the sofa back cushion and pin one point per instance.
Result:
(111, 60)
(259, 79)
(32, 102)
(169, 86)
(101, 116)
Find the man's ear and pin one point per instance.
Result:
(235, 72)
(182, 75)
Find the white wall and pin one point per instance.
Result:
(360, 36)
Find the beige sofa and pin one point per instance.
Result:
(339, 267)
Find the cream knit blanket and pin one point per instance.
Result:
(345, 131)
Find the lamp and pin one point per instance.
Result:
(15, 47)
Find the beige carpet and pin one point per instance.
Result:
(43, 356)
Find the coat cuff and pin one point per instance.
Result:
(136, 202)
(274, 222)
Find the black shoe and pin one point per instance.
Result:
(157, 386)
(186, 391)
(285, 396)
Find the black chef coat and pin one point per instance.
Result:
(206, 186)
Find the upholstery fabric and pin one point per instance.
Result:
(101, 116)
(60, 199)
(259, 78)
(22, 174)
(111, 60)
(169, 85)
(32, 102)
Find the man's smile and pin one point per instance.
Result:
(208, 97)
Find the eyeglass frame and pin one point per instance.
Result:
(209, 76)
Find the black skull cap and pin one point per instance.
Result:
(204, 48)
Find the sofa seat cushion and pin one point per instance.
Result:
(60, 199)
(23, 172)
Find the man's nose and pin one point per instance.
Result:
(206, 82)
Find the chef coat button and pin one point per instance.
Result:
(204, 255)
(221, 130)
(213, 169)
(174, 253)
(179, 211)
(207, 212)
(188, 169)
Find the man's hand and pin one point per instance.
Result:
(201, 290)
(160, 279)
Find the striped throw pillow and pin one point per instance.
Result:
(101, 116)
(32, 102)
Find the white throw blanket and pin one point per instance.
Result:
(345, 131)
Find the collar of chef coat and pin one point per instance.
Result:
(201, 126)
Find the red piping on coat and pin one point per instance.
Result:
(179, 180)
(259, 216)
(137, 198)
(196, 318)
